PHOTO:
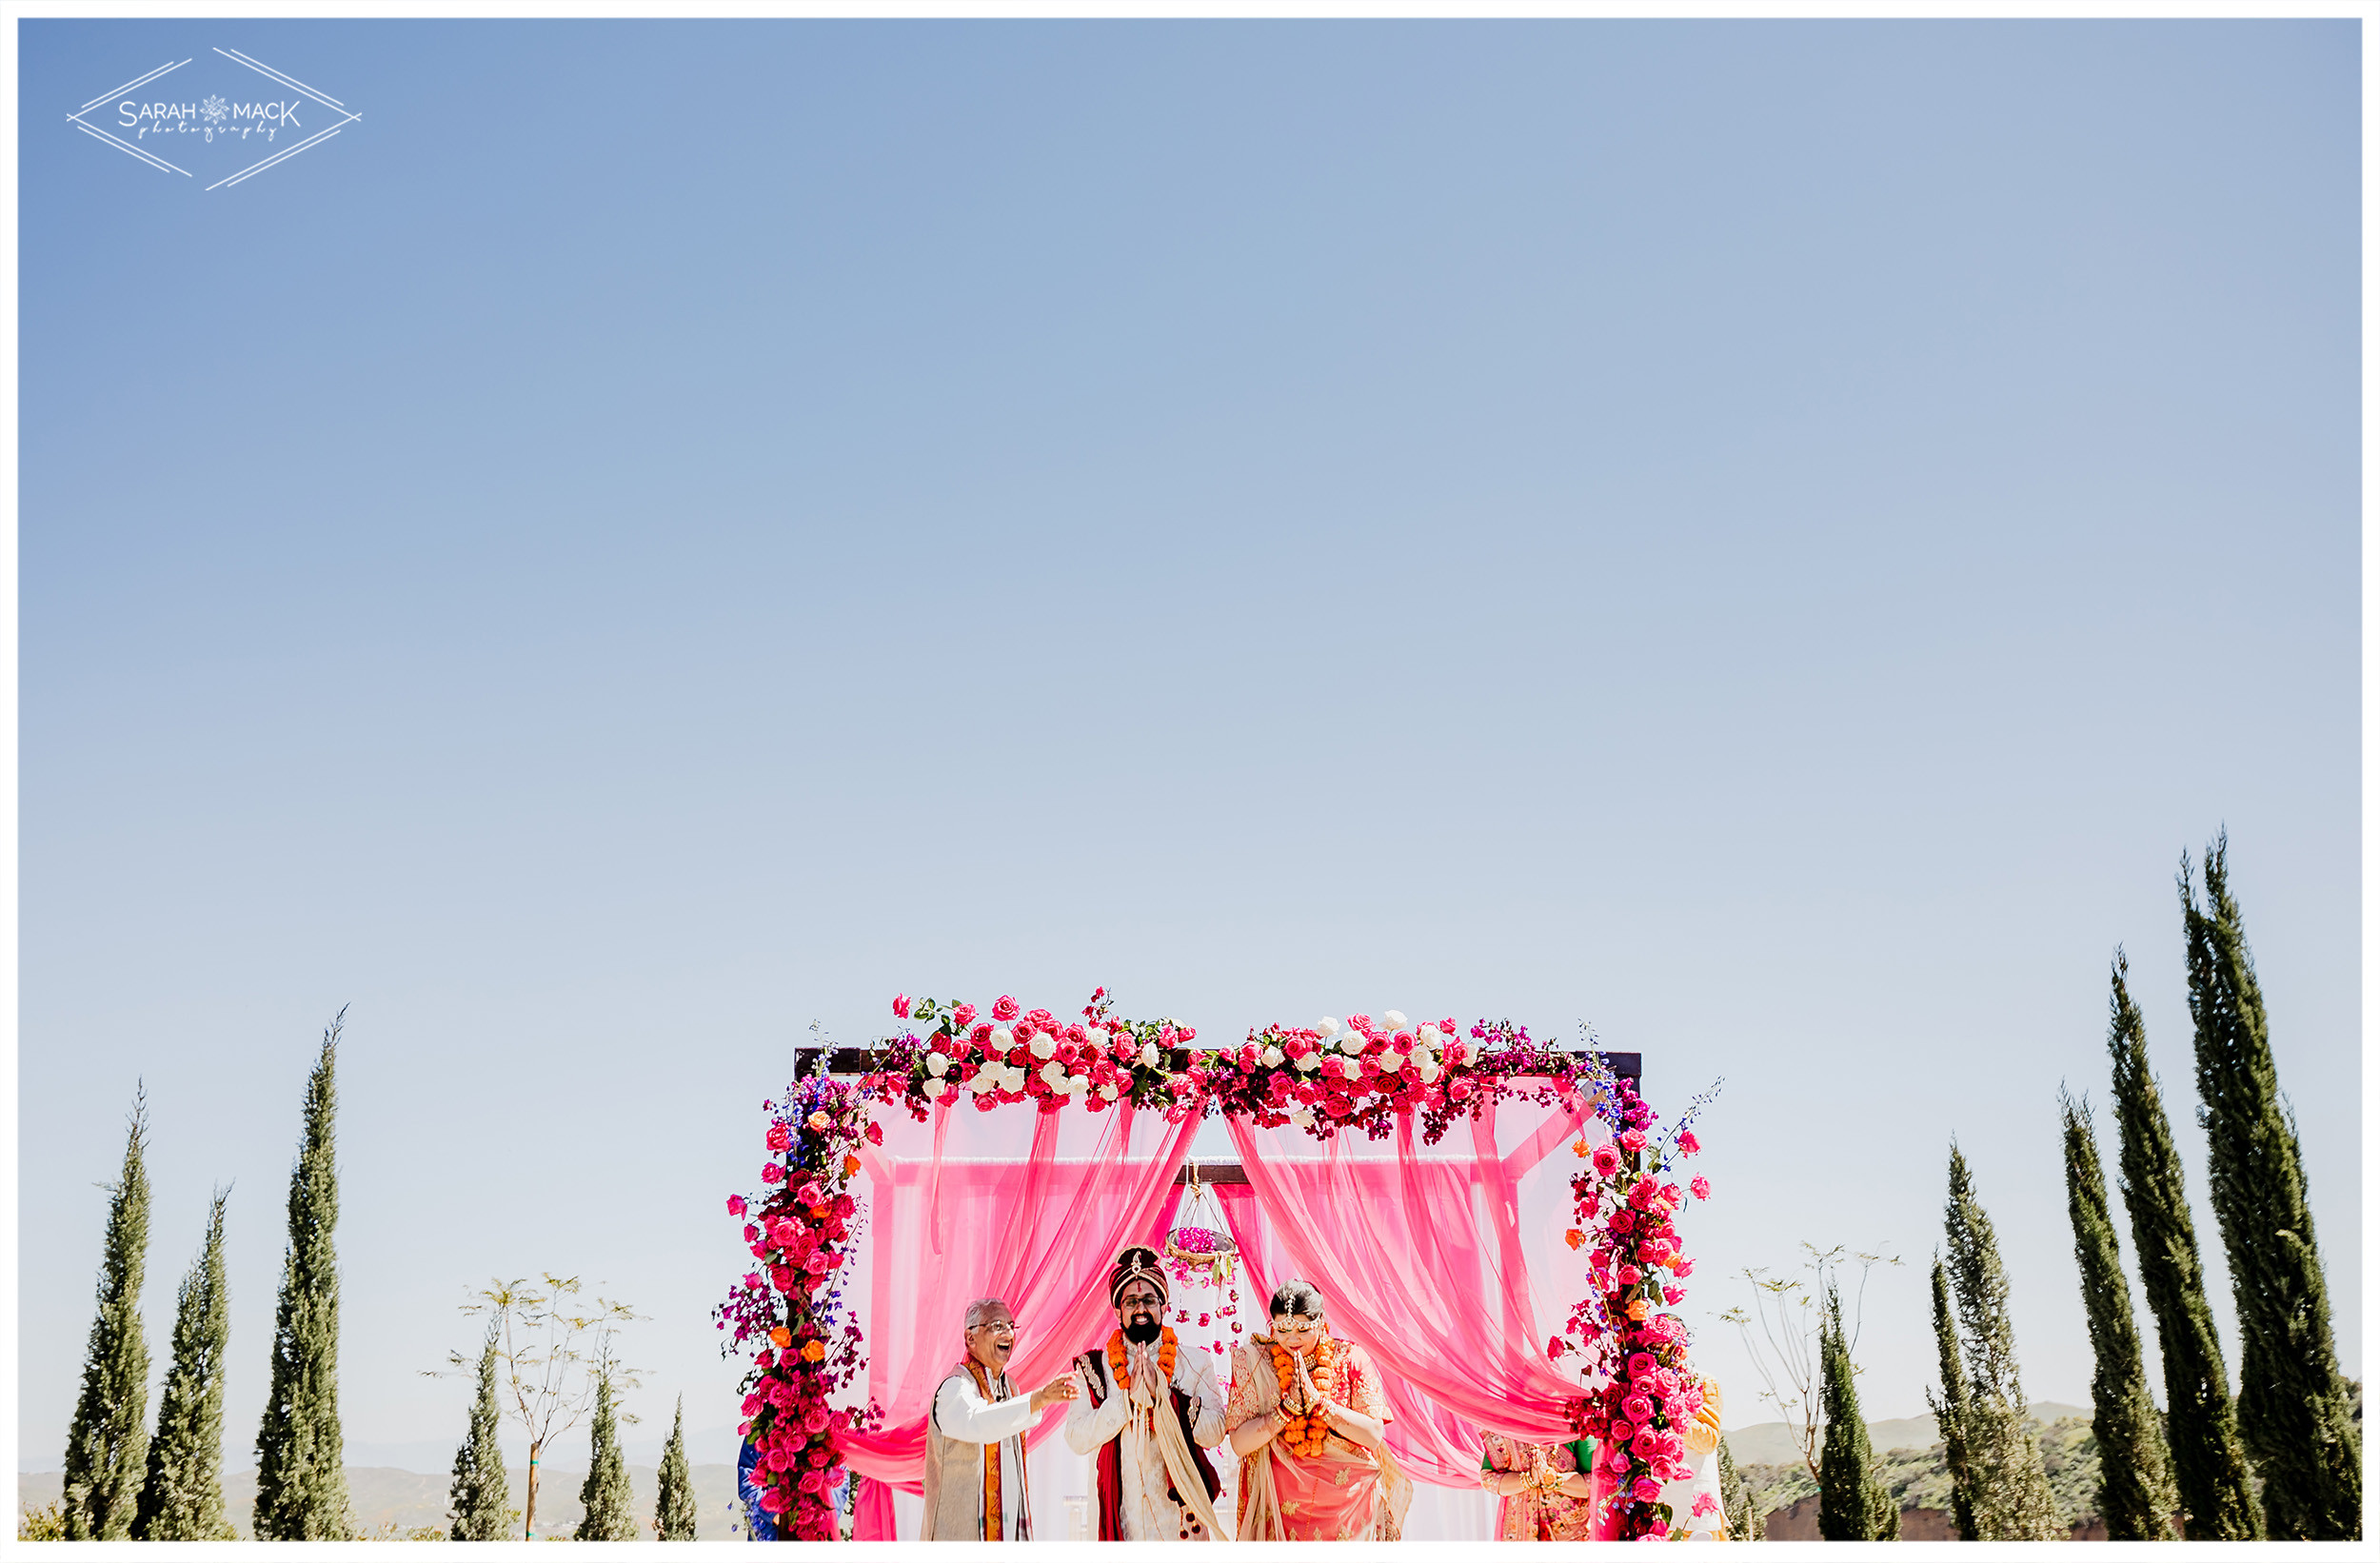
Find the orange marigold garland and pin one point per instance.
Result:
(1305, 1433)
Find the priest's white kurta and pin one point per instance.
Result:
(965, 1427)
(1130, 1412)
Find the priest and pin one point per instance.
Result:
(1148, 1409)
(975, 1436)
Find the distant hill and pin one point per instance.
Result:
(1771, 1443)
(388, 1502)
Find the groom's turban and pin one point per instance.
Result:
(1137, 1264)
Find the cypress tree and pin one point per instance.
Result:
(480, 1487)
(1950, 1411)
(1852, 1504)
(2294, 1413)
(2135, 1480)
(300, 1473)
(605, 1494)
(108, 1444)
(181, 1501)
(2009, 1488)
(673, 1516)
(2209, 1466)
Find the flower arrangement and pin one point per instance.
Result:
(1362, 1074)
(790, 1310)
(1634, 1261)
(1201, 1256)
(1013, 1053)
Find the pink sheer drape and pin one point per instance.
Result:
(1422, 1255)
(1030, 1208)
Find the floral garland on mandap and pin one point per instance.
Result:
(1361, 1075)
(1017, 1055)
(799, 1228)
(1624, 1212)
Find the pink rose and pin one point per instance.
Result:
(1641, 1365)
(1647, 1491)
(1702, 1191)
(1682, 1267)
(1620, 1433)
(1673, 1295)
(1004, 1008)
(963, 1017)
(1687, 1143)
(736, 1205)
(1630, 1275)
(774, 1501)
(1632, 1139)
(1639, 1409)
(1705, 1504)
(901, 1006)
(1622, 1220)
(1459, 1091)
(779, 1137)
(1606, 1161)
(772, 1172)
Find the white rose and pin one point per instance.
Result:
(1054, 1075)
(1150, 1058)
(1302, 1116)
(1350, 1068)
(1044, 1046)
(1107, 1092)
(984, 1080)
(1395, 1020)
(1310, 1063)
(1327, 1026)
(1077, 1085)
(1426, 1070)
(1271, 1056)
(935, 1088)
(1390, 1062)
(936, 1065)
(1000, 1040)
(1428, 1036)
(1350, 1044)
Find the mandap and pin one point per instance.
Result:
(1490, 1217)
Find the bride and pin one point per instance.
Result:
(1308, 1415)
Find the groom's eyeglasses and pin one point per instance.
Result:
(1148, 1300)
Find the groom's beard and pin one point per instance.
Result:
(1142, 1328)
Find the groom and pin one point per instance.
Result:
(1148, 1408)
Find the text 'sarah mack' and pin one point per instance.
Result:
(212, 118)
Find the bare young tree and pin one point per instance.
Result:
(554, 1348)
(1785, 1352)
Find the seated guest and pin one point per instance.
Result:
(1308, 1418)
(1148, 1407)
(1545, 1489)
(975, 1436)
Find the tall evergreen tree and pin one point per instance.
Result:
(107, 1447)
(2209, 1466)
(300, 1473)
(2009, 1488)
(1852, 1504)
(673, 1516)
(1951, 1409)
(2293, 1407)
(2136, 1479)
(480, 1487)
(181, 1501)
(605, 1494)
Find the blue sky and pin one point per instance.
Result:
(1768, 538)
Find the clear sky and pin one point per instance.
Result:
(1772, 539)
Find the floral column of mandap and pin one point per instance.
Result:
(791, 1309)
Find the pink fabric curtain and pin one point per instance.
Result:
(1027, 1207)
(1423, 1257)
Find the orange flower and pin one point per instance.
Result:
(1637, 1310)
(780, 1338)
(1578, 1146)
(851, 1164)
(813, 1351)
(1574, 1237)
